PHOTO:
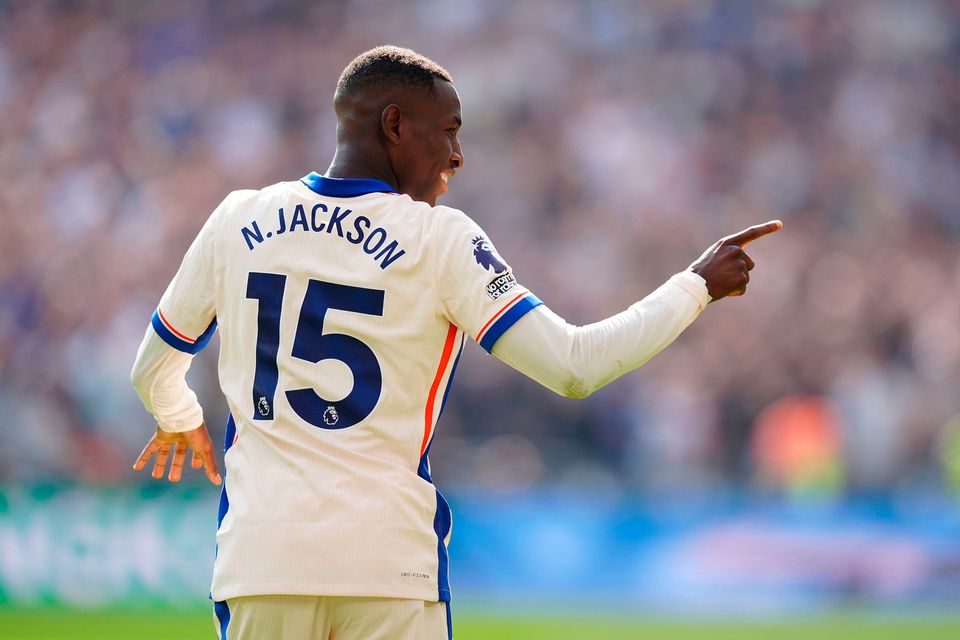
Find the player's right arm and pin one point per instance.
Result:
(158, 376)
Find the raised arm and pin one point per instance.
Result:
(576, 361)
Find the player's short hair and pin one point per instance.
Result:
(389, 65)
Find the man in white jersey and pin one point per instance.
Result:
(343, 302)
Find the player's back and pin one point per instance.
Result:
(335, 356)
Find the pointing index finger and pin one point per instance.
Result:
(750, 234)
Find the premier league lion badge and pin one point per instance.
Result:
(487, 256)
(330, 416)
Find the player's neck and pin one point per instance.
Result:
(347, 163)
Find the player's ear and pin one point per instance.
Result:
(390, 122)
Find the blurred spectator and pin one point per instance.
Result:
(949, 453)
(797, 446)
(621, 136)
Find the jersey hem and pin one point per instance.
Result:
(279, 588)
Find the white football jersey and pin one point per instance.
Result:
(342, 308)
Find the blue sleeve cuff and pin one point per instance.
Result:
(177, 342)
(507, 320)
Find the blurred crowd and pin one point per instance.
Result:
(606, 143)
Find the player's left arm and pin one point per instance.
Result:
(575, 361)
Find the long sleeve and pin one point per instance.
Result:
(576, 361)
(159, 378)
(181, 326)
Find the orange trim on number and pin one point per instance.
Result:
(432, 398)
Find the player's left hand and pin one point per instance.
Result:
(725, 266)
(163, 441)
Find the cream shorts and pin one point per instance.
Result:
(280, 617)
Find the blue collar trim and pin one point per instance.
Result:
(344, 187)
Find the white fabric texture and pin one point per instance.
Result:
(159, 378)
(576, 361)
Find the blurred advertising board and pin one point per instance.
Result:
(153, 546)
(84, 547)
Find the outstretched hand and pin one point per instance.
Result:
(163, 441)
(726, 266)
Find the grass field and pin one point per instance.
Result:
(65, 625)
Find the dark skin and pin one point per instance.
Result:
(726, 266)
(407, 137)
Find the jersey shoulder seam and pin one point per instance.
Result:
(436, 214)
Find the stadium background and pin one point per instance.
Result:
(792, 461)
